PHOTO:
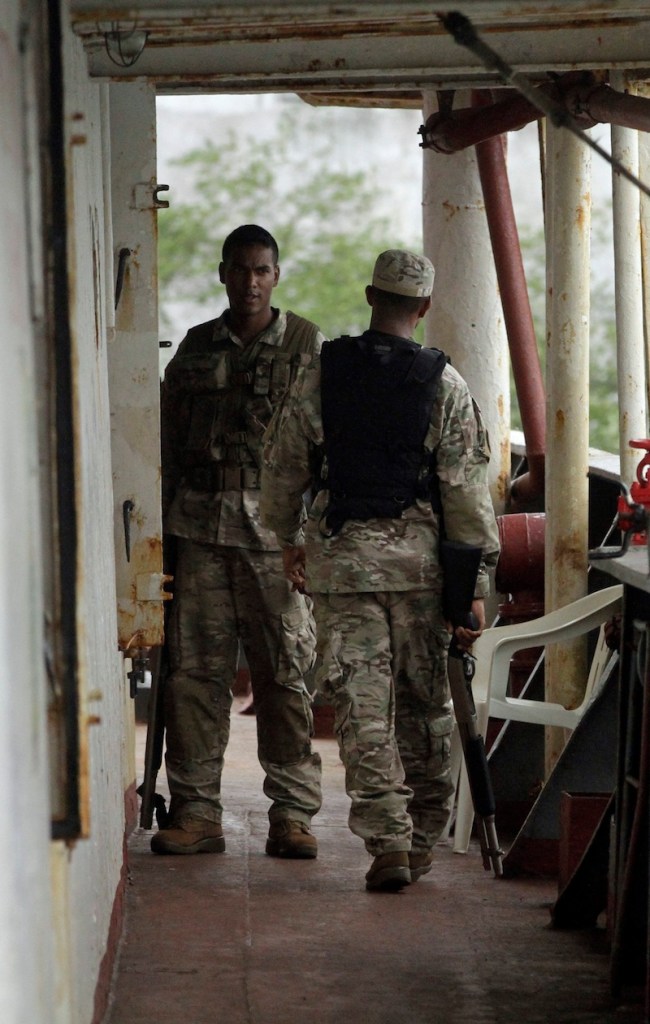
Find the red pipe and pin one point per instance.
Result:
(582, 96)
(448, 132)
(518, 317)
(601, 103)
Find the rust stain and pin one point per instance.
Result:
(560, 418)
(135, 641)
(140, 622)
(570, 551)
(154, 545)
(146, 555)
(503, 486)
(582, 217)
(341, 23)
(451, 209)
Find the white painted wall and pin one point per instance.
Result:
(55, 901)
(95, 863)
(26, 953)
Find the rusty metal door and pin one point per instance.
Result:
(133, 367)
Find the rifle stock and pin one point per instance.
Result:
(460, 564)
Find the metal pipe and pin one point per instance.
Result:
(602, 103)
(585, 99)
(524, 355)
(458, 129)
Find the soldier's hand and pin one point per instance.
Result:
(293, 563)
(465, 637)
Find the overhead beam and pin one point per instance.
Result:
(254, 13)
(412, 59)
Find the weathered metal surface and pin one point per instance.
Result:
(578, 95)
(357, 48)
(134, 378)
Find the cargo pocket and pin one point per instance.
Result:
(297, 653)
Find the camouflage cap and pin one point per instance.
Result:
(403, 273)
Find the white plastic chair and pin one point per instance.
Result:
(493, 652)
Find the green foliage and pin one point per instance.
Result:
(329, 234)
(322, 219)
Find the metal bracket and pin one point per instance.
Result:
(150, 586)
(145, 196)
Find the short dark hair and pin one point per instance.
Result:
(401, 303)
(249, 234)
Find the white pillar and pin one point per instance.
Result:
(629, 296)
(567, 367)
(466, 319)
(643, 89)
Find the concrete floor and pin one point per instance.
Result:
(242, 938)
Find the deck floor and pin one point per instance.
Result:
(243, 938)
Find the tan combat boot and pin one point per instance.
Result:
(293, 839)
(389, 872)
(420, 862)
(190, 835)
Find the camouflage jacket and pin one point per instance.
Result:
(217, 399)
(381, 554)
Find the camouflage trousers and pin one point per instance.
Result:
(223, 596)
(384, 670)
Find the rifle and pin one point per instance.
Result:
(153, 754)
(460, 563)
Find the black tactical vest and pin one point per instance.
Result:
(377, 392)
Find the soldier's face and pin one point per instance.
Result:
(250, 275)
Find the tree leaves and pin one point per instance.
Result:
(324, 220)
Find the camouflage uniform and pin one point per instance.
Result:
(377, 594)
(217, 399)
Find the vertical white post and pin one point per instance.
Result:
(643, 89)
(629, 295)
(567, 494)
(466, 319)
